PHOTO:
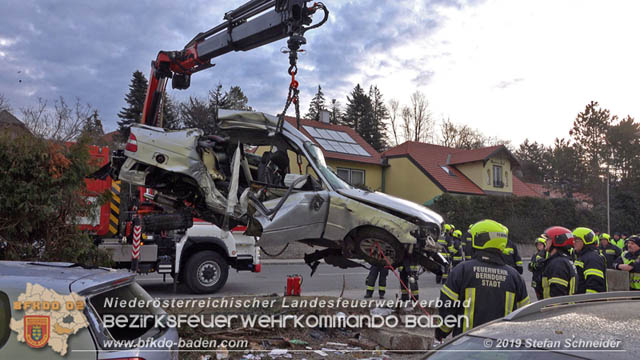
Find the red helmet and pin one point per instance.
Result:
(560, 236)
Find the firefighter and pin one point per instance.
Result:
(591, 266)
(379, 273)
(511, 256)
(491, 288)
(559, 274)
(617, 241)
(455, 248)
(467, 244)
(536, 265)
(443, 241)
(409, 276)
(610, 251)
(630, 261)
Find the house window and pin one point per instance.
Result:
(497, 176)
(354, 177)
(447, 170)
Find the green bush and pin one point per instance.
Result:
(526, 217)
(41, 200)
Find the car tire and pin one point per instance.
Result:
(366, 246)
(206, 272)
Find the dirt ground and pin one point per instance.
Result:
(301, 343)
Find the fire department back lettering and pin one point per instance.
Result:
(489, 276)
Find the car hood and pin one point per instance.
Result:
(394, 204)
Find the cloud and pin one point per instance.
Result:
(507, 83)
(90, 50)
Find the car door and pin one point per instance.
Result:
(303, 215)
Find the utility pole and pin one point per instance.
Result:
(608, 209)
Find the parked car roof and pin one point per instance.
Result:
(590, 317)
(61, 277)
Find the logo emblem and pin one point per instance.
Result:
(36, 332)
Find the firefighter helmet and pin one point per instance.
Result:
(457, 234)
(447, 227)
(586, 235)
(560, 236)
(542, 240)
(605, 236)
(488, 234)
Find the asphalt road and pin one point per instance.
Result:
(327, 281)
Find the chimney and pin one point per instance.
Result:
(448, 158)
(324, 116)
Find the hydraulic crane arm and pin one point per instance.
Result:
(256, 23)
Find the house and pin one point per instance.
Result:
(421, 172)
(353, 159)
(9, 124)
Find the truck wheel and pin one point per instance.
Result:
(207, 272)
(369, 241)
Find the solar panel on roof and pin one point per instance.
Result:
(336, 141)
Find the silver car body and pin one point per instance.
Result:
(64, 278)
(328, 214)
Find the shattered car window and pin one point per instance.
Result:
(318, 159)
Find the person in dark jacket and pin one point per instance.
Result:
(630, 261)
(455, 248)
(610, 251)
(591, 266)
(379, 273)
(444, 242)
(467, 244)
(483, 288)
(536, 265)
(559, 275)
(511, 256)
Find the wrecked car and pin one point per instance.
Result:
(264, 173)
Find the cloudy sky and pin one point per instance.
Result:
(512, 69)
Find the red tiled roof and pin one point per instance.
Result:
(521, 188)
(108, 137)
(466, 156)
(430, 158)
(375, 157)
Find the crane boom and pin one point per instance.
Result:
(253, 24)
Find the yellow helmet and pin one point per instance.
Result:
(457, 234)
(586, 235)
(447, 227)
(542, 240)
(488, 234)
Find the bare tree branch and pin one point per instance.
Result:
(62, 123)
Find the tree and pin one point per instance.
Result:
(394, 106)
(197, 113)
(336, 112)
(380, 116)
(4, 103)
(623, 157)
(358, 107)
(417, 123)
(316, 105)
(533, 159)
(62, 123)
(93, 129)
(236, 100)
(566, 170)
(42, 191)
(170, 114)
(132, 113)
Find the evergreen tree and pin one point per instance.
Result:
(197, 113)
(237, 100)
(317, 104)
(358, 106)
(533, 160)
(132, 113)
(380, 116)
(93, 129)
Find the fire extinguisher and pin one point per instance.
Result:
(294, 285)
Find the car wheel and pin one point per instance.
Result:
(370, 241)
(207, 272)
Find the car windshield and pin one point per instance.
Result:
(476, 345)
(318, 159)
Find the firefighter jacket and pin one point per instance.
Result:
(631, 259)
(467, 245)
(592, 270)
(559, 275)
(511, 257)
(619, 243)
(456, 251)
(535, 266)
(443, 241)
(611, 253)
(490, 288)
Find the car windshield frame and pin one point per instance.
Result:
(316, 157)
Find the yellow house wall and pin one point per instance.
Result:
(404, 180)
(372, 172)
(477, 172)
